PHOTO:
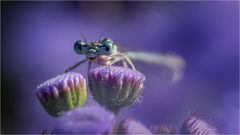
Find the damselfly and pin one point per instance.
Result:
(105, 52)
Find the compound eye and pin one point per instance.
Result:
(107, 41)
(106, 49)
(107, 46)
(79, 47)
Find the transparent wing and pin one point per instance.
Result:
(172, 61)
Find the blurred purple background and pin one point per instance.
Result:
(37, 44)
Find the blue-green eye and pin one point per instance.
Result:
(106, 47)
(79, 47)
(107, 41)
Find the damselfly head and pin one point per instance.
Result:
(94, 49)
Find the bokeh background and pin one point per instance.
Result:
(37, 44)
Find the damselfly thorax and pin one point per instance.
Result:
(102, 60)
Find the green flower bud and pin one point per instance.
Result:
(62, 93)
(115, 87)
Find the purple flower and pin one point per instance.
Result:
(162, 129)
(195, 125)
(115, 87)
(87, 120)
(62, 93)
(130, 126)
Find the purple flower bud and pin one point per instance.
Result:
(86, 120)
(62, 93)
(195, 125)
(115, 87)
(162, 129)
(130, 126)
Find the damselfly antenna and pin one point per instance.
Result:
(85, 40)
(100, 38)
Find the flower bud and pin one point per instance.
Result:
(62, 93)
(115, 87)
(195, 125)
(86, 120)
(162, 129)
